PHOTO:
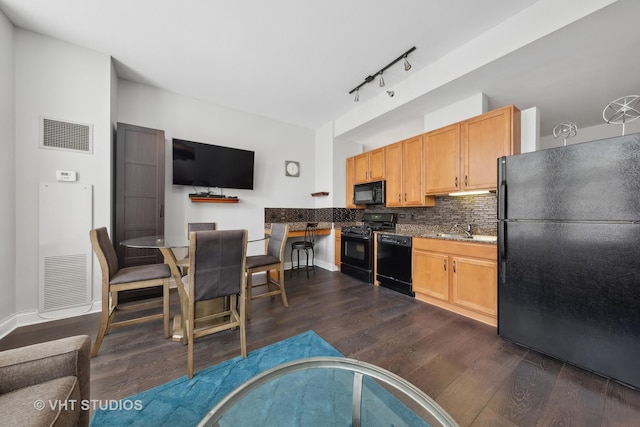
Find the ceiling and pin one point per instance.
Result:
(296, 60)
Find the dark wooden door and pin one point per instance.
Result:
(139, 191)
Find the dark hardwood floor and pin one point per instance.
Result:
(479, 378)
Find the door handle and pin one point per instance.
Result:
(161, 210)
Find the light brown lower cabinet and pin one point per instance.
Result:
(458, 276)
(338, 247)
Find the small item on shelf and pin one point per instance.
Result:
(320, 193)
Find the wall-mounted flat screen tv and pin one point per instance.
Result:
(206, 165)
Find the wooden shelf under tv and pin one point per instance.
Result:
(196, 199)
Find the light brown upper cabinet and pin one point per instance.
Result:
(442, 160)
(484, 139)
(369, 166)
(463, 156)
(404, 177)
(350, 179)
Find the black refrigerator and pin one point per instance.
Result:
(569, 254)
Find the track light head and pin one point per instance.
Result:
(407, 66)
(381, 81)
(357, 97)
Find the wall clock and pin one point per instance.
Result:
(291, 168)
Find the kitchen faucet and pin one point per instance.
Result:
(467, 231)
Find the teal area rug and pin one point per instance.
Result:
(311, 398)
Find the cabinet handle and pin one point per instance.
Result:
(444, 263)
(399, 197)
(456, 182)
(466, 181)
(454, 266)
(405, 197)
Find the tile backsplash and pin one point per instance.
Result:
(312, 215)
(478, 210)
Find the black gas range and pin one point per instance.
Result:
(356, 252)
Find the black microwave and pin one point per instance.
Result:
(370, 193)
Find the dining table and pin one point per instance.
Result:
(166, 244)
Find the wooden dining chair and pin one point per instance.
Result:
(183, 263)
(216, 270)
(115, 279)
(271, 261)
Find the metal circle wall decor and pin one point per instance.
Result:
(622, 110)
(565, 130)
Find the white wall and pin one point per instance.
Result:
(591, 133)
(7, 173)
(273, 143)
(64, 82)
(458, 111)
(530, 129)
(325, 174)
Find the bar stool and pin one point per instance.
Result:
(307, 245)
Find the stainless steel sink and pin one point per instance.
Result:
(484, 238)
(452, 236)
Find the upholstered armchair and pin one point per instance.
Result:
(46, 384)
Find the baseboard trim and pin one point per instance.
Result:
(33, 317)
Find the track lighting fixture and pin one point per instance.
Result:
(370, 78)
(407, 66)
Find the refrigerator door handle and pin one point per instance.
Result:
(502, 240)
(502, 188)
(502, 252)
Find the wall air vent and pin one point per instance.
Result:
(70, 136)
(64, 248)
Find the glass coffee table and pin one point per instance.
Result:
(327, 391)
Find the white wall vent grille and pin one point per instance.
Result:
(64, 249)
(61, 135)
(65, 281)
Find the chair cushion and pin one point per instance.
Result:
(261, 260)
(18, 408)
(141, 272)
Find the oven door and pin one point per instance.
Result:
(356, 257)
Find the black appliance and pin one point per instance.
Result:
(394, 263)
(568, 258)
(370, 193)
(206, 165)
(356, 252)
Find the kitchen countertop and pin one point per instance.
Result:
(431, 233)
(300, 226)
(411, 230)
